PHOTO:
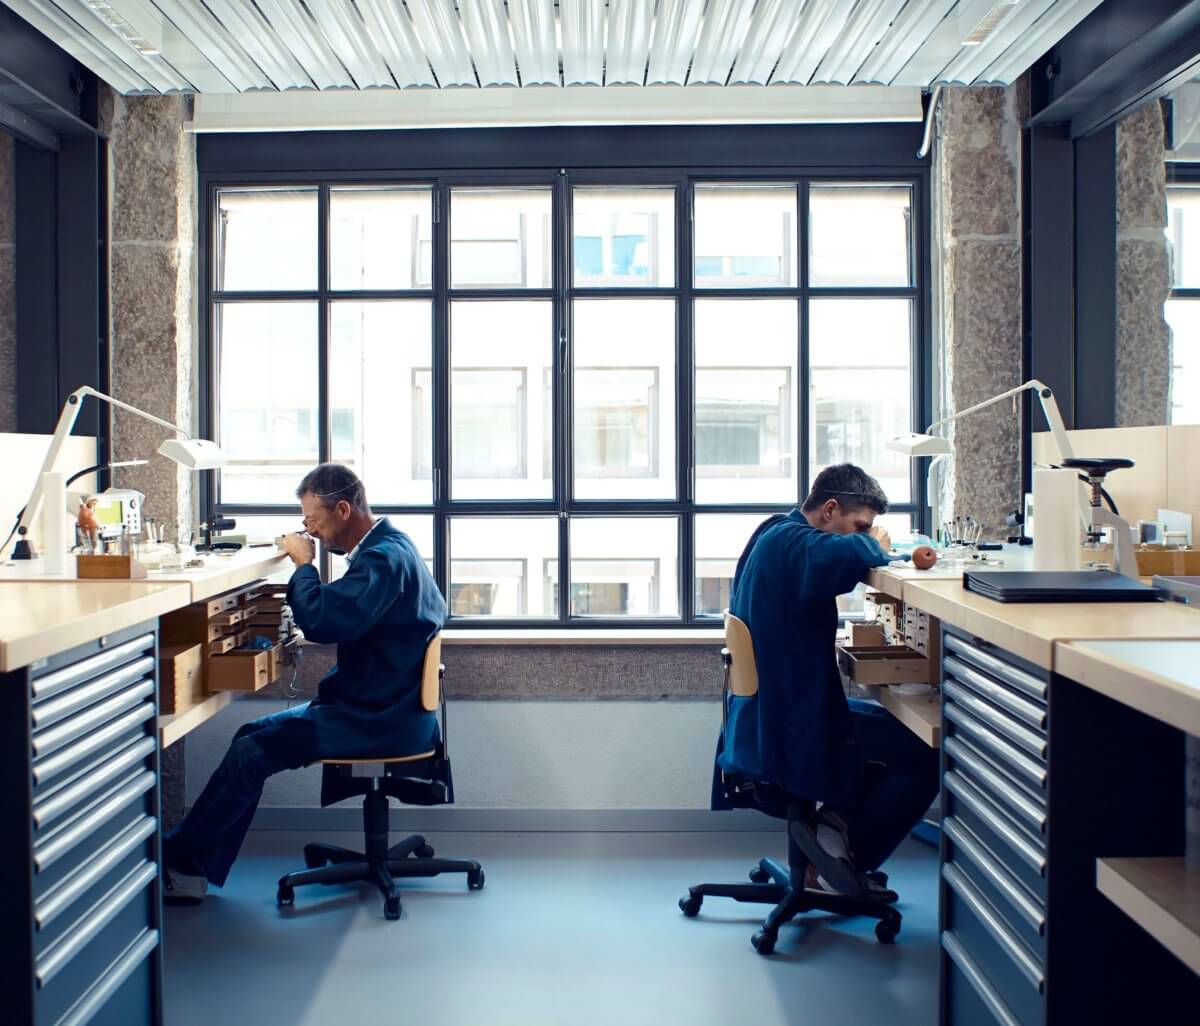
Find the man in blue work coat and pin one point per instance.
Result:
(381, 614)
(800, 733)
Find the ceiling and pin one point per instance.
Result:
(224, 47)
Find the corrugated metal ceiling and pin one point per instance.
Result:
(233, 46)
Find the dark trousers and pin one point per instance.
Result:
(899, 783)
(210, 836)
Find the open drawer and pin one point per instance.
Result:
(242, 669)
(886, 664)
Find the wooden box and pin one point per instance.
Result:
(109, 568)
(1152, 560)
(889, 664)
(863, 634)
(245, 669)
(225, 643)
(180, 677)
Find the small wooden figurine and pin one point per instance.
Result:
(89, 527)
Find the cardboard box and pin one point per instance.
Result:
(180, 677)
(890, 664)
(244, 669)
(1153, 559)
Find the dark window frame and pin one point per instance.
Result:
(281, 167)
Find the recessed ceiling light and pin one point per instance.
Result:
(113, 19)
(987, 26)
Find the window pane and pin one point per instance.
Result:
(266, 240)
(381, 238)
(490, 561)
(624, 237)
(745, 236)
(1183, 315)
(622, 566)
(746, 400)
(720, 539)
(418, 527)
(499, 355)
(380, 408)
(860, 235)
(266, 398)
(500, 238)
(860, 352)
(624, 396)
(1183, 229)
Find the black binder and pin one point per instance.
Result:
(1058, 586)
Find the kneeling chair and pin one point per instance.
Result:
(771, 883)
(415, 779)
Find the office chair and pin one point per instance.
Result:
(422, 778)
(771, 883)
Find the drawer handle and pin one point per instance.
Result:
(81, 697)
(80, 724)
(52, 961)
(979, 857)
(72, 887)
(1027, 739)
(987, 779)
(973, 800)
(93, 999)
(1018, 678)
(48, 769)
(88, 781)
(53, 848)
(979, 983)
(977, 903)
(52, 683)
(1032, 714)
(1034, 772)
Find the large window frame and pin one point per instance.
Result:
(1181, 176)
(561, 178)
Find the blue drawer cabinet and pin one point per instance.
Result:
(1039, 777)
(81, 906)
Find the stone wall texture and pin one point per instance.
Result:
(1143, 385)
(152, 298)
(977, 269)
(8, 287)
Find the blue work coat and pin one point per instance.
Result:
(381, 614)
(796, 732)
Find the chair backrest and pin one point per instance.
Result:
(743, 671)
(431, 675)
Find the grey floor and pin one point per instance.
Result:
(571, 928)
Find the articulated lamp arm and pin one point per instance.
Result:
(1049, 407)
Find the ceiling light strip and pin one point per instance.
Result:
(1033, 43)
(149, 65)
(969, 61)
(211, 41)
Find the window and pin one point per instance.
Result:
(1182, 310)
(579, 392)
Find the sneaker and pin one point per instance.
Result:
(183, 888)
(871, 888)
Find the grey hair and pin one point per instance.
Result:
(332, 483)
(852, 487)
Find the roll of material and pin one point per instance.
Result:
(1056, 533)
(54, 522)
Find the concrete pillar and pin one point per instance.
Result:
(8, 287)
(152, 169)
(1143, 386)
(977, 281)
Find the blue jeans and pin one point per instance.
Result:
(899, 782)
(210, 836)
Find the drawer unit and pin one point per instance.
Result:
(891, 664)
(995, 837)
(241, 670)
(82, 834)
(180, 677)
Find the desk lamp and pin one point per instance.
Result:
(192, 453)
(939, 447)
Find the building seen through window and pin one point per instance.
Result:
(592, 436)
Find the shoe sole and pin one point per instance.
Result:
(838, 872)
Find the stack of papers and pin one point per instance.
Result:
(1057, 586)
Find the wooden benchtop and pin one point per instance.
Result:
(38, 620)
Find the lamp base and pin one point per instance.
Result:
(23, 550)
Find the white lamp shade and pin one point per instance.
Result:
(193, 453)
(914, 444)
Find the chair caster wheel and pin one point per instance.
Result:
(877, 876)
(475, 879)
(763, 943)
(424, 852)
(391, 908)
(759, 875)
(885, 932)
(313, 859)
(689, 905)
(285, 896)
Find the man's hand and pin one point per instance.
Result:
(300, 547)
(880, 535)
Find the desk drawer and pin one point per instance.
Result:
(1028, 713)
(998, 665)
(1030, 770)
(970, 997)
(1015, 974)
(992, 778)
(1032, 741)
(1014, 847)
